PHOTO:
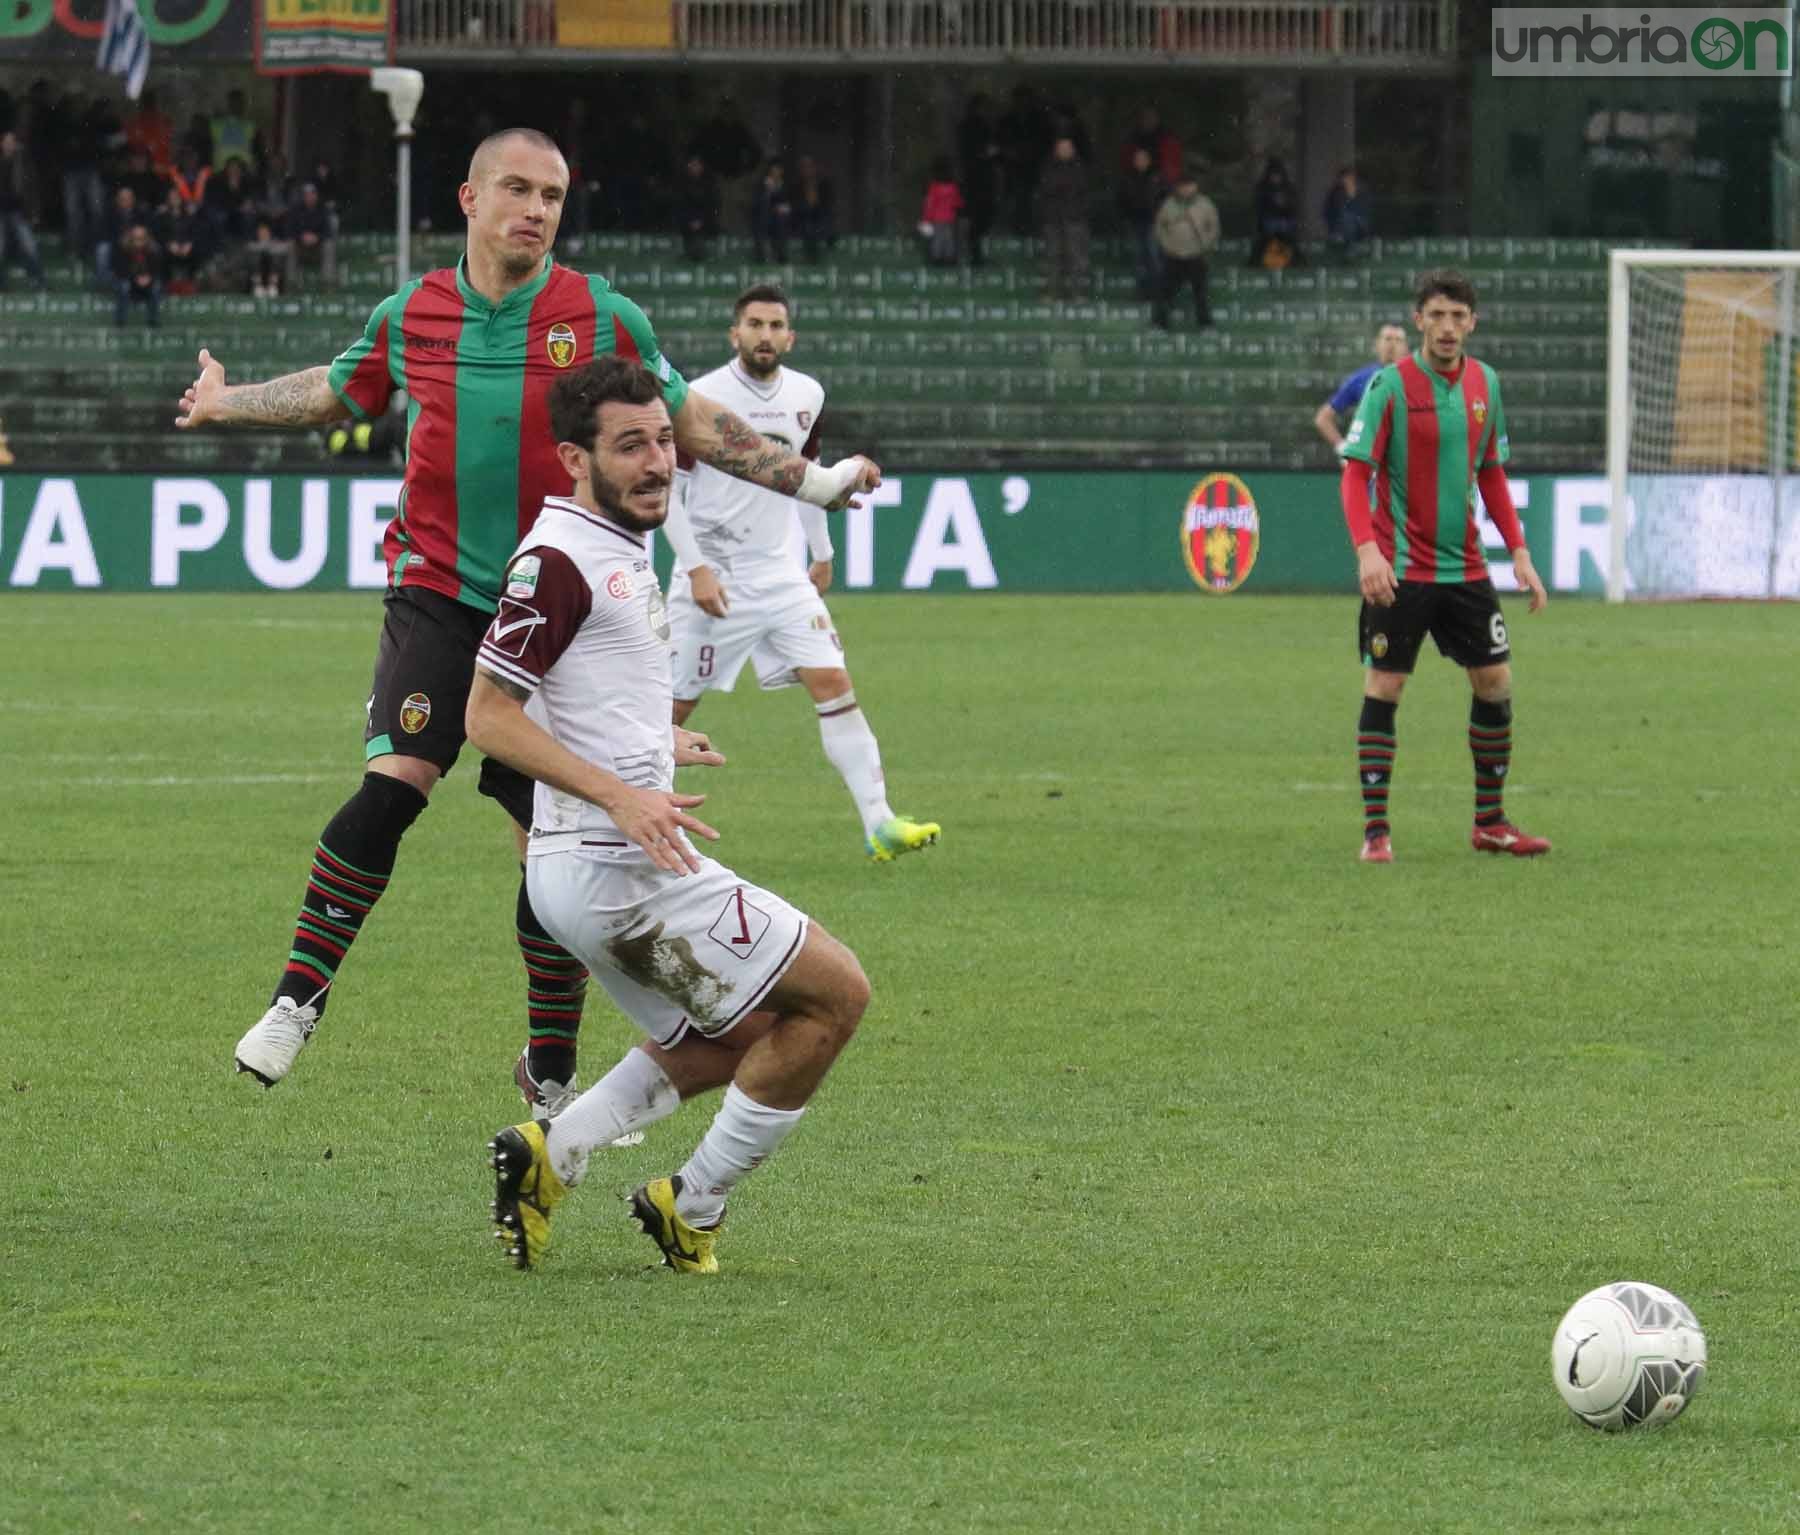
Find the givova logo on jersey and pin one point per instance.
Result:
(1220, 533)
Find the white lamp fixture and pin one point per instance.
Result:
(403, 88)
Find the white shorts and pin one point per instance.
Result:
(674, 952)
(784, 626)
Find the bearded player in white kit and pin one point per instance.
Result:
(738, 593)
(730, 985)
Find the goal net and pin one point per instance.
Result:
(1701, 444)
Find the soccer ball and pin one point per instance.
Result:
(1627, 1355)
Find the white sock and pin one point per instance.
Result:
(635, 1093)
(851, 748)
(743, 1135)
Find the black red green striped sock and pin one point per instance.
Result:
(350, 871)
(555, 989)
(1490, 743)
(1375, 762)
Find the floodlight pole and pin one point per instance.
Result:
(403, 205)
(403, 88)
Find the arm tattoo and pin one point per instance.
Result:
(294, 399)
(507, 686)
(743, 452)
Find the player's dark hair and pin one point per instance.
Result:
(576, 398)
(759, 293)
(1446, 283)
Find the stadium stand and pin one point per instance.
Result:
(927, 367)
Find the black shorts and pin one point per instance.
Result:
(1463, 617)
(423, 668)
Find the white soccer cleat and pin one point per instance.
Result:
(267, 1052)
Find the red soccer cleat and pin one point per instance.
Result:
(1504, 837)
(1377, 849)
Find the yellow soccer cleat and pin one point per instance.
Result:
(526, 1190)
(686, 1249)
(899, 834)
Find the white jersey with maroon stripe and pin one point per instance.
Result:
(739, 528)
(582, 628)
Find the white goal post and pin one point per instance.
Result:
(1702, 454)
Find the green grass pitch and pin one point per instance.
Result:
(1185, 1174)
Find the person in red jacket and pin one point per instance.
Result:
(941, 209)
(1430, 431)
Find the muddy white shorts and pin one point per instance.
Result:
(675, 952)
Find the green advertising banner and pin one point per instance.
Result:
(1216, 535)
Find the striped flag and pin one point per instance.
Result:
(125, 45)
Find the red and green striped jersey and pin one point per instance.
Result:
(1429, 437)
(480, 456)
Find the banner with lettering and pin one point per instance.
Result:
(1221, 537)
(310, 37)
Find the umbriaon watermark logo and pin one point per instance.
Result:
(1634, 40)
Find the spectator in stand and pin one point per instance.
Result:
(192, 177)
(1277, 240)
(1163, 147)
(1024, 135)
(146, 185)
(815, 203)
(136, 274)
(1187, 231)
(1063, 214)
(942, 207)
(16, 240)
(234, 135)
(696, 209)
(1349, 220)
(84, 193)
(42, 133)
(983, 173)
(229, 204)
(274, 192)
(182, 234)
(199, 139)
(267, 258)
(1141, 194)
(309, 233)
(330, 192)
(151, 130)
(1065, 122)
(772, 214)
(578, 213)
(121, 214)
(632, 166)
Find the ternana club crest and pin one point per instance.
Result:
(1220, 533)
(560, 344)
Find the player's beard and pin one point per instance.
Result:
(757, 367)
(613, 507)
(515, 263)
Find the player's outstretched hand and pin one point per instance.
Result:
(709, 593)
(655, 819)
(1529, 579)
(867, 477)
(1375, 576)
(694, 748)
(819, 573)
(200, 403)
